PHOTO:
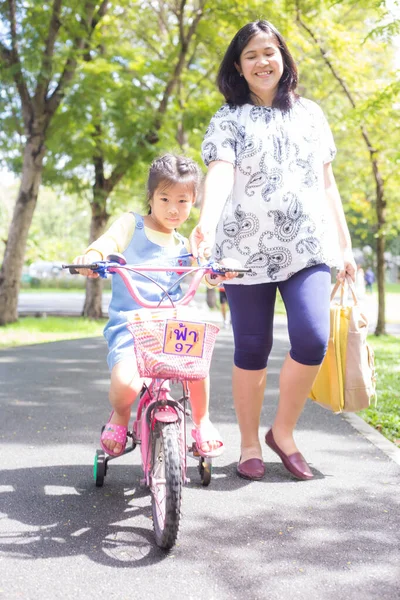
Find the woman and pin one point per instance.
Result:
(271, 201)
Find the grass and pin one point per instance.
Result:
(390, 288)
(31, 330)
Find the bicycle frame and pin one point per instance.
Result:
(164, 472)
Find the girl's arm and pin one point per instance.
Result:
(217, 189)
(336, 210)
(115, 239)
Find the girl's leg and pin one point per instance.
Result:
(125, 386)
(252, 310)
(223, 311)
(199, 401)
(307, 297)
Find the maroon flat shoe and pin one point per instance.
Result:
(294, 463)
(253, 469)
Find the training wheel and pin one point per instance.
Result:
(99, 467)
(205, 470)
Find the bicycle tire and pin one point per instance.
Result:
(205, 470)
(166, 484)
(99, 468)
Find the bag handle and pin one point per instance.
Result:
(352, 288)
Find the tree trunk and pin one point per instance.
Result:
(94, 287)
(11, 270)
(380, 249)
(93, 300)
(380, 276)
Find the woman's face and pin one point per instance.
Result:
(261, 64)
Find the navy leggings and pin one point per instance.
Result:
(306, 296)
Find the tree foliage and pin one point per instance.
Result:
(144, 83)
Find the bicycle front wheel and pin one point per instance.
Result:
(166, 483)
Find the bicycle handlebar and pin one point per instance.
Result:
(115, 266)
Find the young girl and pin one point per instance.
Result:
(172, 188)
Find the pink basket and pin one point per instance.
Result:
(153, 361)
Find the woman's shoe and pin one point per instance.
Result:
(253, 469)
(294, 463)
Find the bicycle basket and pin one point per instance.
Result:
(170, 347)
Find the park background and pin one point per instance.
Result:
(91, 92)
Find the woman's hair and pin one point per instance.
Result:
(235, 88)
(170, 169)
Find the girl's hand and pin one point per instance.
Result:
(85, 259)
(350, 267)
(201, 241)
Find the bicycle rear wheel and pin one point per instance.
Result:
(166, 483)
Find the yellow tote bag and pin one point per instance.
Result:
(328, 387)
(346, 379)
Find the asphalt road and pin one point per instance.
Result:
(333, 538)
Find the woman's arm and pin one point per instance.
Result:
(217, 188)
(337, 212)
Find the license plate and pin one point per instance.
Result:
(184, 338)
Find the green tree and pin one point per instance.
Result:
(347, 43)
(116, 111)
(40, 50)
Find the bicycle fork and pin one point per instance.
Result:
(157, 406)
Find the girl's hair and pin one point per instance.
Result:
(170, 169)
(235, 88)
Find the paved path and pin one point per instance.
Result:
(333, 538)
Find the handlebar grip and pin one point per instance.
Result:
(73, 269)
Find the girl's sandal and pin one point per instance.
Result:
(117, 433)
(206, 433)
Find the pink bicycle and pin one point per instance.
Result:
(170, 346)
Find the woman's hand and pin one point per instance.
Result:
(350, 267)
(201, 241)
(231, 263)
(226, 262)
(85, 259)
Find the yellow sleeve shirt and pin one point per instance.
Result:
(119, 235)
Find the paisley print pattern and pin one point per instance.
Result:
(244, 145)
(306, 168)
(272, 260)
(242, 226)
(288, 224)
(264, 113)
(275, 220)
(210, 130)
(281, 144)
(210, 152)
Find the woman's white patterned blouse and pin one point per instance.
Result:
(275, 220)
